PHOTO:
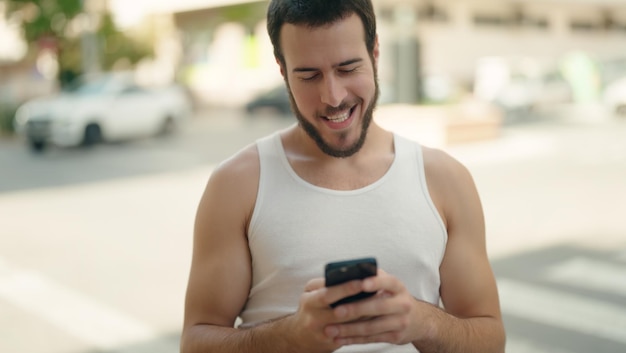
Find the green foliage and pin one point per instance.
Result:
(43, 18)
(7, 115)
(247, 14)
(47, 22)
(118, 46)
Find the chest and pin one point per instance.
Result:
(342, 175)
(299, 230)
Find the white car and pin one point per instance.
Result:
(614, 97)
(109, 107)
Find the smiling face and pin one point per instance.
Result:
(332, 83)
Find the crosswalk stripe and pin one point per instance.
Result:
(92, 322)
(564, 310)
(592, 274)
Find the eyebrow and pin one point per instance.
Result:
(344, 63)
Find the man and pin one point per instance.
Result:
(337, 186)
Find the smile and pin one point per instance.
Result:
(340, 118)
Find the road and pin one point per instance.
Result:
(95, 244)
(208, 139)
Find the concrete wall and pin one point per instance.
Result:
(455, 45)
(451, 46)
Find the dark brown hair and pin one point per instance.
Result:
(317, 13)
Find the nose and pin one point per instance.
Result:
(332, 91)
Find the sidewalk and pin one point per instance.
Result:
(553, 182)
(541, 184)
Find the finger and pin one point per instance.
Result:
(340, 291)
(382, 304)
(380, 329)
(314, 298)
(383, 282)
(314, 284)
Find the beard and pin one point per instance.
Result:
(317, 137)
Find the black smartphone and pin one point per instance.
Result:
(344, 271)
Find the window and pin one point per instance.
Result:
(428, 12)
(431, 12)
(580, 25)
(612, 23)
(492, 20)
(513, 17)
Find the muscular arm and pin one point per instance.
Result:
(221, 274)
(471, 320)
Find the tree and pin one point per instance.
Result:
(44, 18)
(58, 25)
(118, 46)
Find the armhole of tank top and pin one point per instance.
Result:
(264, 147)
(421, 168)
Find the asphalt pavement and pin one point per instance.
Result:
(95, 245)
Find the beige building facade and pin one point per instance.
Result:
(228, 62)
(456, 34)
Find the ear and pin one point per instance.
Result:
(282, 69)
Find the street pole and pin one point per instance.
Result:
(408, 56)
(90, 45)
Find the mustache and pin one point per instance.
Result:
(328, 111)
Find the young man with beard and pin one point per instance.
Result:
(337, 186)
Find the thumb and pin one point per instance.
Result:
(314, 284)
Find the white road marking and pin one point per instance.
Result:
(564, 310)
(94, 323)
(590, 274)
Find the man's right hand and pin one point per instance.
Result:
(309, 324)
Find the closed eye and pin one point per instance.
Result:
(309, 78)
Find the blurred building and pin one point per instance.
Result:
(442, 42)
(457, 33)
(460, 38)
(432, 48)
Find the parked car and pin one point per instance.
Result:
(518, 90)
(523, 95)
(614, 97)
(106, 107)
(275, 100)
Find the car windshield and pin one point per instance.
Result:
(96, 86)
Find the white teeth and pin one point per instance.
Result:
(339, 118)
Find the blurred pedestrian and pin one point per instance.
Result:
(337, 186)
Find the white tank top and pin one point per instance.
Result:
(297, 227)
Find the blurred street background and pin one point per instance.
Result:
(114, 113)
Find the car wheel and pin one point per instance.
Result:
(167, 127)
(93, 135)
(37, 145)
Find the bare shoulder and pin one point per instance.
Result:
(468, 288)
(220, 242)
(443, 167)
(241, 167)
(234, 182)
(450, 183)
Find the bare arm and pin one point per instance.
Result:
(221, 274)
(471, 321)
